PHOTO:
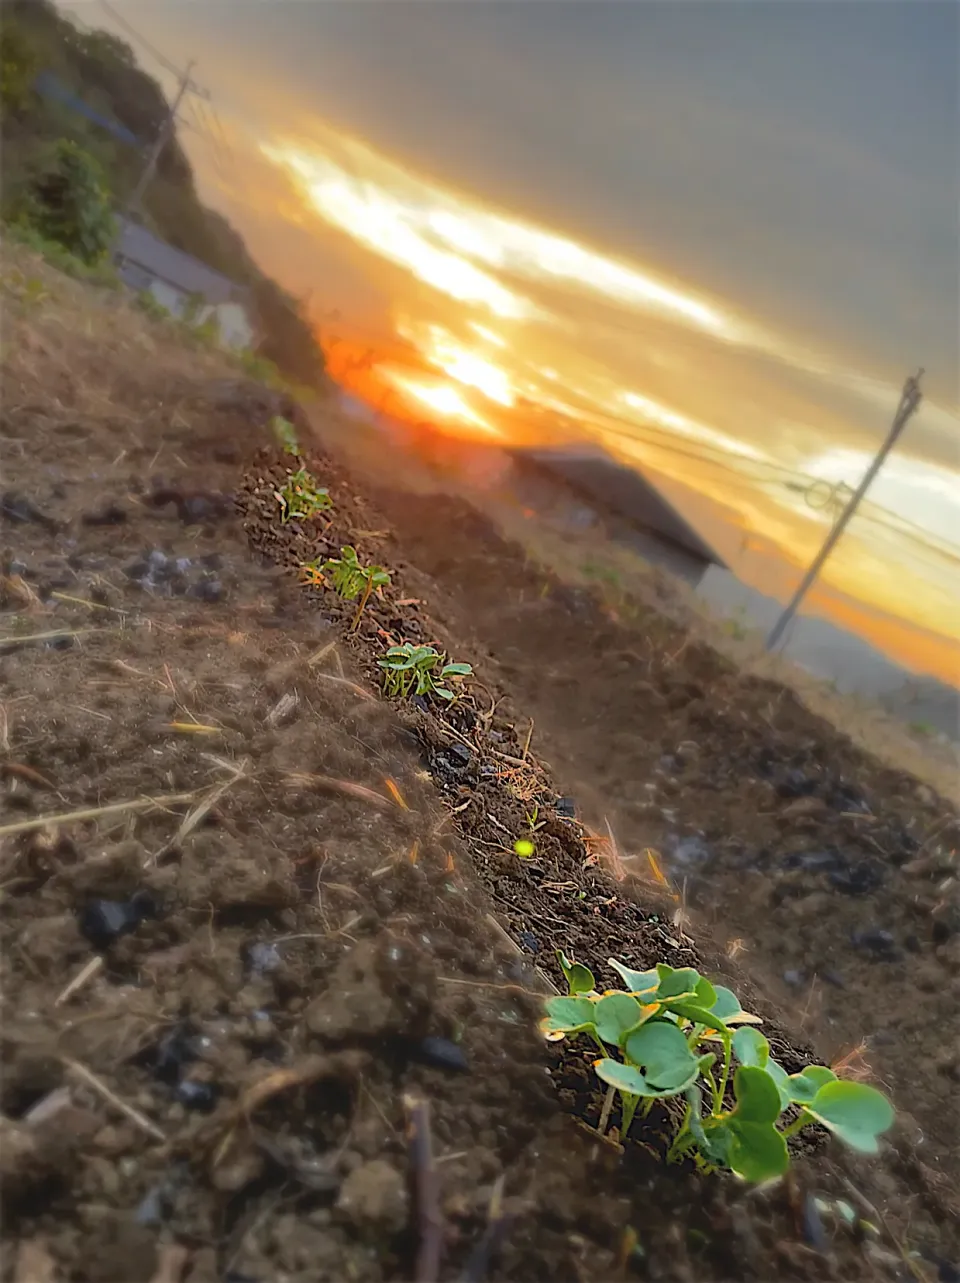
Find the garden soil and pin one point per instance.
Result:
(265, 935)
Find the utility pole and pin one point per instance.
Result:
(910, 399)
(186, 85)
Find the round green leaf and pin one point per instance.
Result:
(805, 1085)
(625, 1078)
(690, 1010)
(661, 1050)
(704, 993)
(579, 978)
(615, 1015)
(781, 1080)
(854, 1112)
(676, 982)
(566, 1015)
(758, 1100)
(727, 1008)
(757, 1151)
(636, 981)
(750, 1047)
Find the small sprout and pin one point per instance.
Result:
(673, 1033)
(350, 579)
(285, 434)
(301, 498)
(524, 848)
(412, 670)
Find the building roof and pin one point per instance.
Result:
(182, 271)
(624, 492)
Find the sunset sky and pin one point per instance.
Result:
(714, 236)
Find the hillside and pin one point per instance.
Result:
(115, 114)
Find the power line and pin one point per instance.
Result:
(131, 31)
(909, 401)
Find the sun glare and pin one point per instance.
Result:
(441, 349)
(442, 398)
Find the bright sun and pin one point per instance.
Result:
(442, 398)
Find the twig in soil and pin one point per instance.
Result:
(28, 774)
(427, 1190)
(394, 790)
(94, 812)
(478, 1262)
(101, 1088)
(526, 742)
(263, 1089)
(49, 636)
(345, 681)
(618, 870)
(321, 654)
(83, 601)
(79, 980)
(335, 786)
(605, 1111)
(34, 1264)
(193, 818)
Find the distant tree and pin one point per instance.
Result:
(18, 67)
(69, 203)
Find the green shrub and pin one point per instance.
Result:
(672, 1033)
(68, 202)
(100, 273)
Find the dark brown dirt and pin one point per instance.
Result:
(222, 1093)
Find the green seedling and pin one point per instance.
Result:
(301, 498)
(285, 434)
(350, 578)
(419, 670)
(671, 1033)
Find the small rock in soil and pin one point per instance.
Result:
(796, 784)
(529, 941)
(177, 1048)
(104, 921)
(690, 851)
(374, 1195)
(208, 590)
(18, 508)
(858, 879)
(194, 508)
(441, 1053)
(878, 942)
(566, 807)
(262, 957)
(817, 861)
(110, 514)
(833, 978)
(846, 798)
(200, 1096)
